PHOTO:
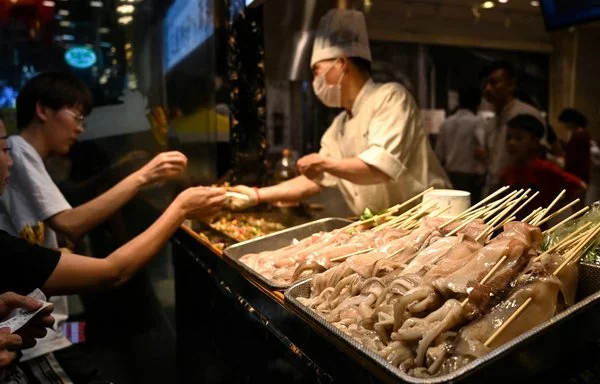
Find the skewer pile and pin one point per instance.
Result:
(443, 276)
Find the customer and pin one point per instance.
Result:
(527, 170)
(460, 135)
(578, 156)
(27, 266)
(499, 87)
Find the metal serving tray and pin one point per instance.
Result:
(530, 353)
(278, 240)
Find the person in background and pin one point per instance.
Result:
(375, 151)
(578, 157)
(460, 135)
(528, 170)
(26, 266)
(499, 86)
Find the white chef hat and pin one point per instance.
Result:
(341, 32)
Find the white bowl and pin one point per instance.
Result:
(459, 201)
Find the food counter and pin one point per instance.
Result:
(231, 329)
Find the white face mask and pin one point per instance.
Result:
(330, 95)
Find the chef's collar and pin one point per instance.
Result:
(362, 96)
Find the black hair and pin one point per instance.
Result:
(527, 123)
(499, 64)
(573, 116)
(363, 65)
(54, 90)
(469, 97)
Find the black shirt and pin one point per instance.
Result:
(24, 267)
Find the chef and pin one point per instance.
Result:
(375, 151)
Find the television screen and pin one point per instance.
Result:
(187, 25)
(566, 13)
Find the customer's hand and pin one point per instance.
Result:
(164, 166)
(201, 202)
(236, 204)
(34, 329)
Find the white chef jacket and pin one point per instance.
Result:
(459, 136)
(385, 132)
(496, 140)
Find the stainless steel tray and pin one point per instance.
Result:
(530, 353)
(279, 240)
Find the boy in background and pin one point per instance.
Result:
(528, 170)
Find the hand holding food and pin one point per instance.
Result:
(313, 166)
(238, 203)
(162, 167)
(201, 202)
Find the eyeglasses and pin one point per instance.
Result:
(80, 119)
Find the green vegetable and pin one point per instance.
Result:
(367, 214)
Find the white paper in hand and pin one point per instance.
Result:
(19, 316)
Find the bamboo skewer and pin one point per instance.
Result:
(487, 276)
(532, 215)
(552, 204)
(525, 203)
(339, 258)
(498, 205)
(554, 228)
(572, 203)
(481, 203)
(571, 256)
(573, 237)
(498, 331)
(577, 253)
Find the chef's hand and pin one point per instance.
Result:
(34, 329)
(313, 166)
(164, 166)
(201, 202)
(241, 204)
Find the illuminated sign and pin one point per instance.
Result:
(80, 57)
(188, 24)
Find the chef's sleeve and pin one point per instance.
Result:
(328, 143)
(393, 133)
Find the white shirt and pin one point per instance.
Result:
(459, 136)
(32, 197)
(496, 140)
(385, 132)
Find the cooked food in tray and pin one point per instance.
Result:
(242, 227)
(449, 298)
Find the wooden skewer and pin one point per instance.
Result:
(572, 238)
(532, 215)
(486, 277)
(481, 203)
(498, 205)
(463, 225)
(339, 258)
(502, 214)
(581, 211)
(574, 255)
(512, 317)
(552, 204)
(577, 253)
(436, 214)
(500, 225)
(525, 203)
(572, 203)
(395, 253)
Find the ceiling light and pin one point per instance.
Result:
(535, 3)
(125, 20)
(96, 4)
(488, 5)
(503, 1)
(14, 1)
(63, 12)
(68, 37)
(48, 3)
(103, 30)
(125, 8)
(65, 23)
(128, 46)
